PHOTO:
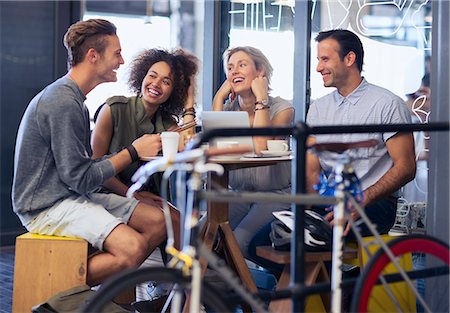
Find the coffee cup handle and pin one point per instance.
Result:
(285, 147)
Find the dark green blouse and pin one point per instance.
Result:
(130, 121)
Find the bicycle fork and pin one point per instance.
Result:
(337, 248)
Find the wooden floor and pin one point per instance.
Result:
(6, 278)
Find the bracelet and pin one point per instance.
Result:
(188, 113)
(260, 108)
(133, 153)
(263, 103)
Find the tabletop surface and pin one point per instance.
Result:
(237, 159)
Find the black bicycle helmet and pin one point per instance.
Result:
(318, 233)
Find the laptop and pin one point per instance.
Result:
(227, 119)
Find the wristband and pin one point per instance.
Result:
(133, 153)
(185, 110)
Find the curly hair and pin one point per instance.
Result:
(183, 66)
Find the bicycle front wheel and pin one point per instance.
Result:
(210, 298)
(428, 260)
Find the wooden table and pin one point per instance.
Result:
(217, 224)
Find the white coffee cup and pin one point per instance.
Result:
(277, 145)
(170, 142)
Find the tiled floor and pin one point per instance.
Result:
(6, 278)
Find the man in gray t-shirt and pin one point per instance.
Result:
(383, 170)
(55, 178)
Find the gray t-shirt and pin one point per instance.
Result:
(52, 158)
(263, 178)
(367, 104)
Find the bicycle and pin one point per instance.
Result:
(186, 277)
(346, 190)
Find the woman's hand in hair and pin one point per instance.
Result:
(225, 91)
(191, 93)
(260, 87)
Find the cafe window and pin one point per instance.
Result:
(396, 36)
(268, 26)
(397, 41)
(144, 25)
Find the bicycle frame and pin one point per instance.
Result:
(341, 216)
(192, 250)
(300, 132)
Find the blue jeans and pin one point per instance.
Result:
(382, 213)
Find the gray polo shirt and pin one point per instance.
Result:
(367, 104)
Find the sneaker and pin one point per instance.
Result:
(156, 291)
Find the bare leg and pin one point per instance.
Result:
(127, 246)
(154, 200)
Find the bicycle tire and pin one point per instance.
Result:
(435, 251)
(210, 298)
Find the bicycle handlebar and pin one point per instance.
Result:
(159, 165)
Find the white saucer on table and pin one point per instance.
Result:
(270, 153)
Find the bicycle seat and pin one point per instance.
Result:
(340, 147)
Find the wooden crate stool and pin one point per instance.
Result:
(44, 266)
(315, 271)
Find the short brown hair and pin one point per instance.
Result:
(348, 41)
(83, 35)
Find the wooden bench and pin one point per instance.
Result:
(315, 271)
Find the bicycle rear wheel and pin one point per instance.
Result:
(430, 269)
(210, 298)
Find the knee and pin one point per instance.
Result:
(243, 240)
(157, 227)
(136, 252)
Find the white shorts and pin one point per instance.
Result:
(91, 217)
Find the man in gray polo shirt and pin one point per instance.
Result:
(383, 170)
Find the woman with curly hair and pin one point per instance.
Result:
(164, 85)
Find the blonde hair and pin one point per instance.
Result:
(261, 61)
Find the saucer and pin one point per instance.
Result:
(269, 153)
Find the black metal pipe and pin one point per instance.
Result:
(376, 128)
(205, 136)
(300, 135)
